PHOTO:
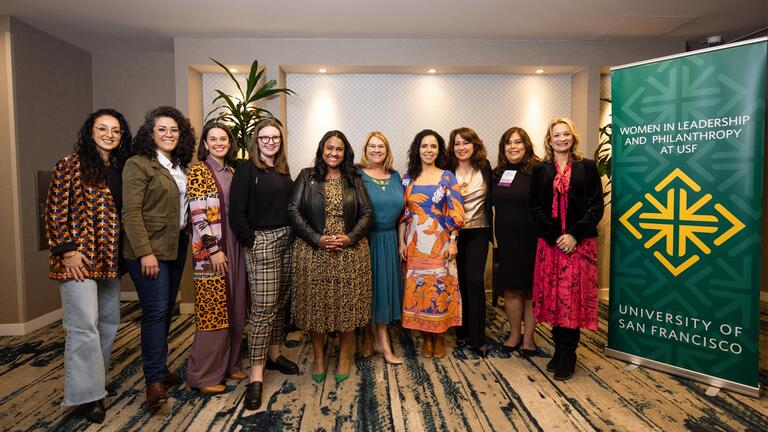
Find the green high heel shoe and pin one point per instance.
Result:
(318, 378)
(343, 376)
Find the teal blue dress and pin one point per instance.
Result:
(387, 200)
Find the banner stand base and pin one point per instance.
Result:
(685, 373)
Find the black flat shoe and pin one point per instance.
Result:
(510, 349)
(253, 395)
(530, 352)
(94, 411)
(282, 364)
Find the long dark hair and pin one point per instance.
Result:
(144, 145)
(347, 167)
(478, 149)
(202, 152)
(93, 170)
(414, 160)
(529, 160)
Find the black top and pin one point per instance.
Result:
(257, 201)
(515, 233)
(115, 185)
(306, 208)
(585, 201)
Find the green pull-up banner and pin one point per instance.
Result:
(687, 214)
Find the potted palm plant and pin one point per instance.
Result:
(241, 112)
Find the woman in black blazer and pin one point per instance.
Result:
(467, 160)
(330, 213)
(566, 204)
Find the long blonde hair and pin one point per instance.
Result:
(575, 153)
(387, 160)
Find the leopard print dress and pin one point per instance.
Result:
(331, 290)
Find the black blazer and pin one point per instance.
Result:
(306, 208)
(585, 201)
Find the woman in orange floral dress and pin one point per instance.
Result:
(434, 211)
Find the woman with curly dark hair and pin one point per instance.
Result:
(85, 192)
(329, 210)
(155, 214)
(467, 160)
(434, 211)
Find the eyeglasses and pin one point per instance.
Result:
(105, 130)
(266, 139)
(163, 130)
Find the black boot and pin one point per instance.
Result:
(555, 362)
(253, 395)
(94, 411)
(570, 341)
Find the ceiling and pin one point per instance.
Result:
(151, 25)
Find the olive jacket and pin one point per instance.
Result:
(150, 210)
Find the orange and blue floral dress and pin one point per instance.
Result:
(432, 301)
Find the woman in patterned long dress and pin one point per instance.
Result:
(218, 265)
(565, 203)
(330, 213)
(385, 190)
(433, 212)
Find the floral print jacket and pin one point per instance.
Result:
(205, 203)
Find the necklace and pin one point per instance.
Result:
(465, 182)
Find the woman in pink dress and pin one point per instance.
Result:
(565, 203)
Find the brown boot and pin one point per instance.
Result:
(156, 396)
(427, 347)
(439, 345)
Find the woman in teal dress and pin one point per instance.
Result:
(385, 191)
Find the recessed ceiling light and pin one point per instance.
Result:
(232, 70)
(323, 70)
(432, 71)
(539, 71)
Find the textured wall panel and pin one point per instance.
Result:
(400, 105)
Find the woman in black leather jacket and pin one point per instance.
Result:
(330, 213)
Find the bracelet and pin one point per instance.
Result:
(70, 255)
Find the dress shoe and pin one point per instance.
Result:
(282, 364)
(156, 395)
(171, 379)
(527, 353)
(253, 395)
(510, 349)
(439, 350)
(237, 376)
(215, 389)
(94, 411)
(367, 349)
(342, 376)
(427, 346)
(481, 352)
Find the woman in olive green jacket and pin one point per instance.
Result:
(156, 235)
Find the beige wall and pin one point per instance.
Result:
(274, 53)
(133, 84)
(52, 95)
(10, 288)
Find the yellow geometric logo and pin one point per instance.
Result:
(679, 224)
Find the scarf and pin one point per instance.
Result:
(560, 187)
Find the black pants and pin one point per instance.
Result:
(473, 251)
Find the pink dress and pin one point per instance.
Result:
(565, 285)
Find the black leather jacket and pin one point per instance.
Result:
(306, 208)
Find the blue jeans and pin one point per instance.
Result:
(158, 299)
(91, 311)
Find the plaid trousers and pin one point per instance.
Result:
(269, 278)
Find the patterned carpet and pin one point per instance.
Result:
(461, 392)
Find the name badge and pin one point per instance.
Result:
(507, 177)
